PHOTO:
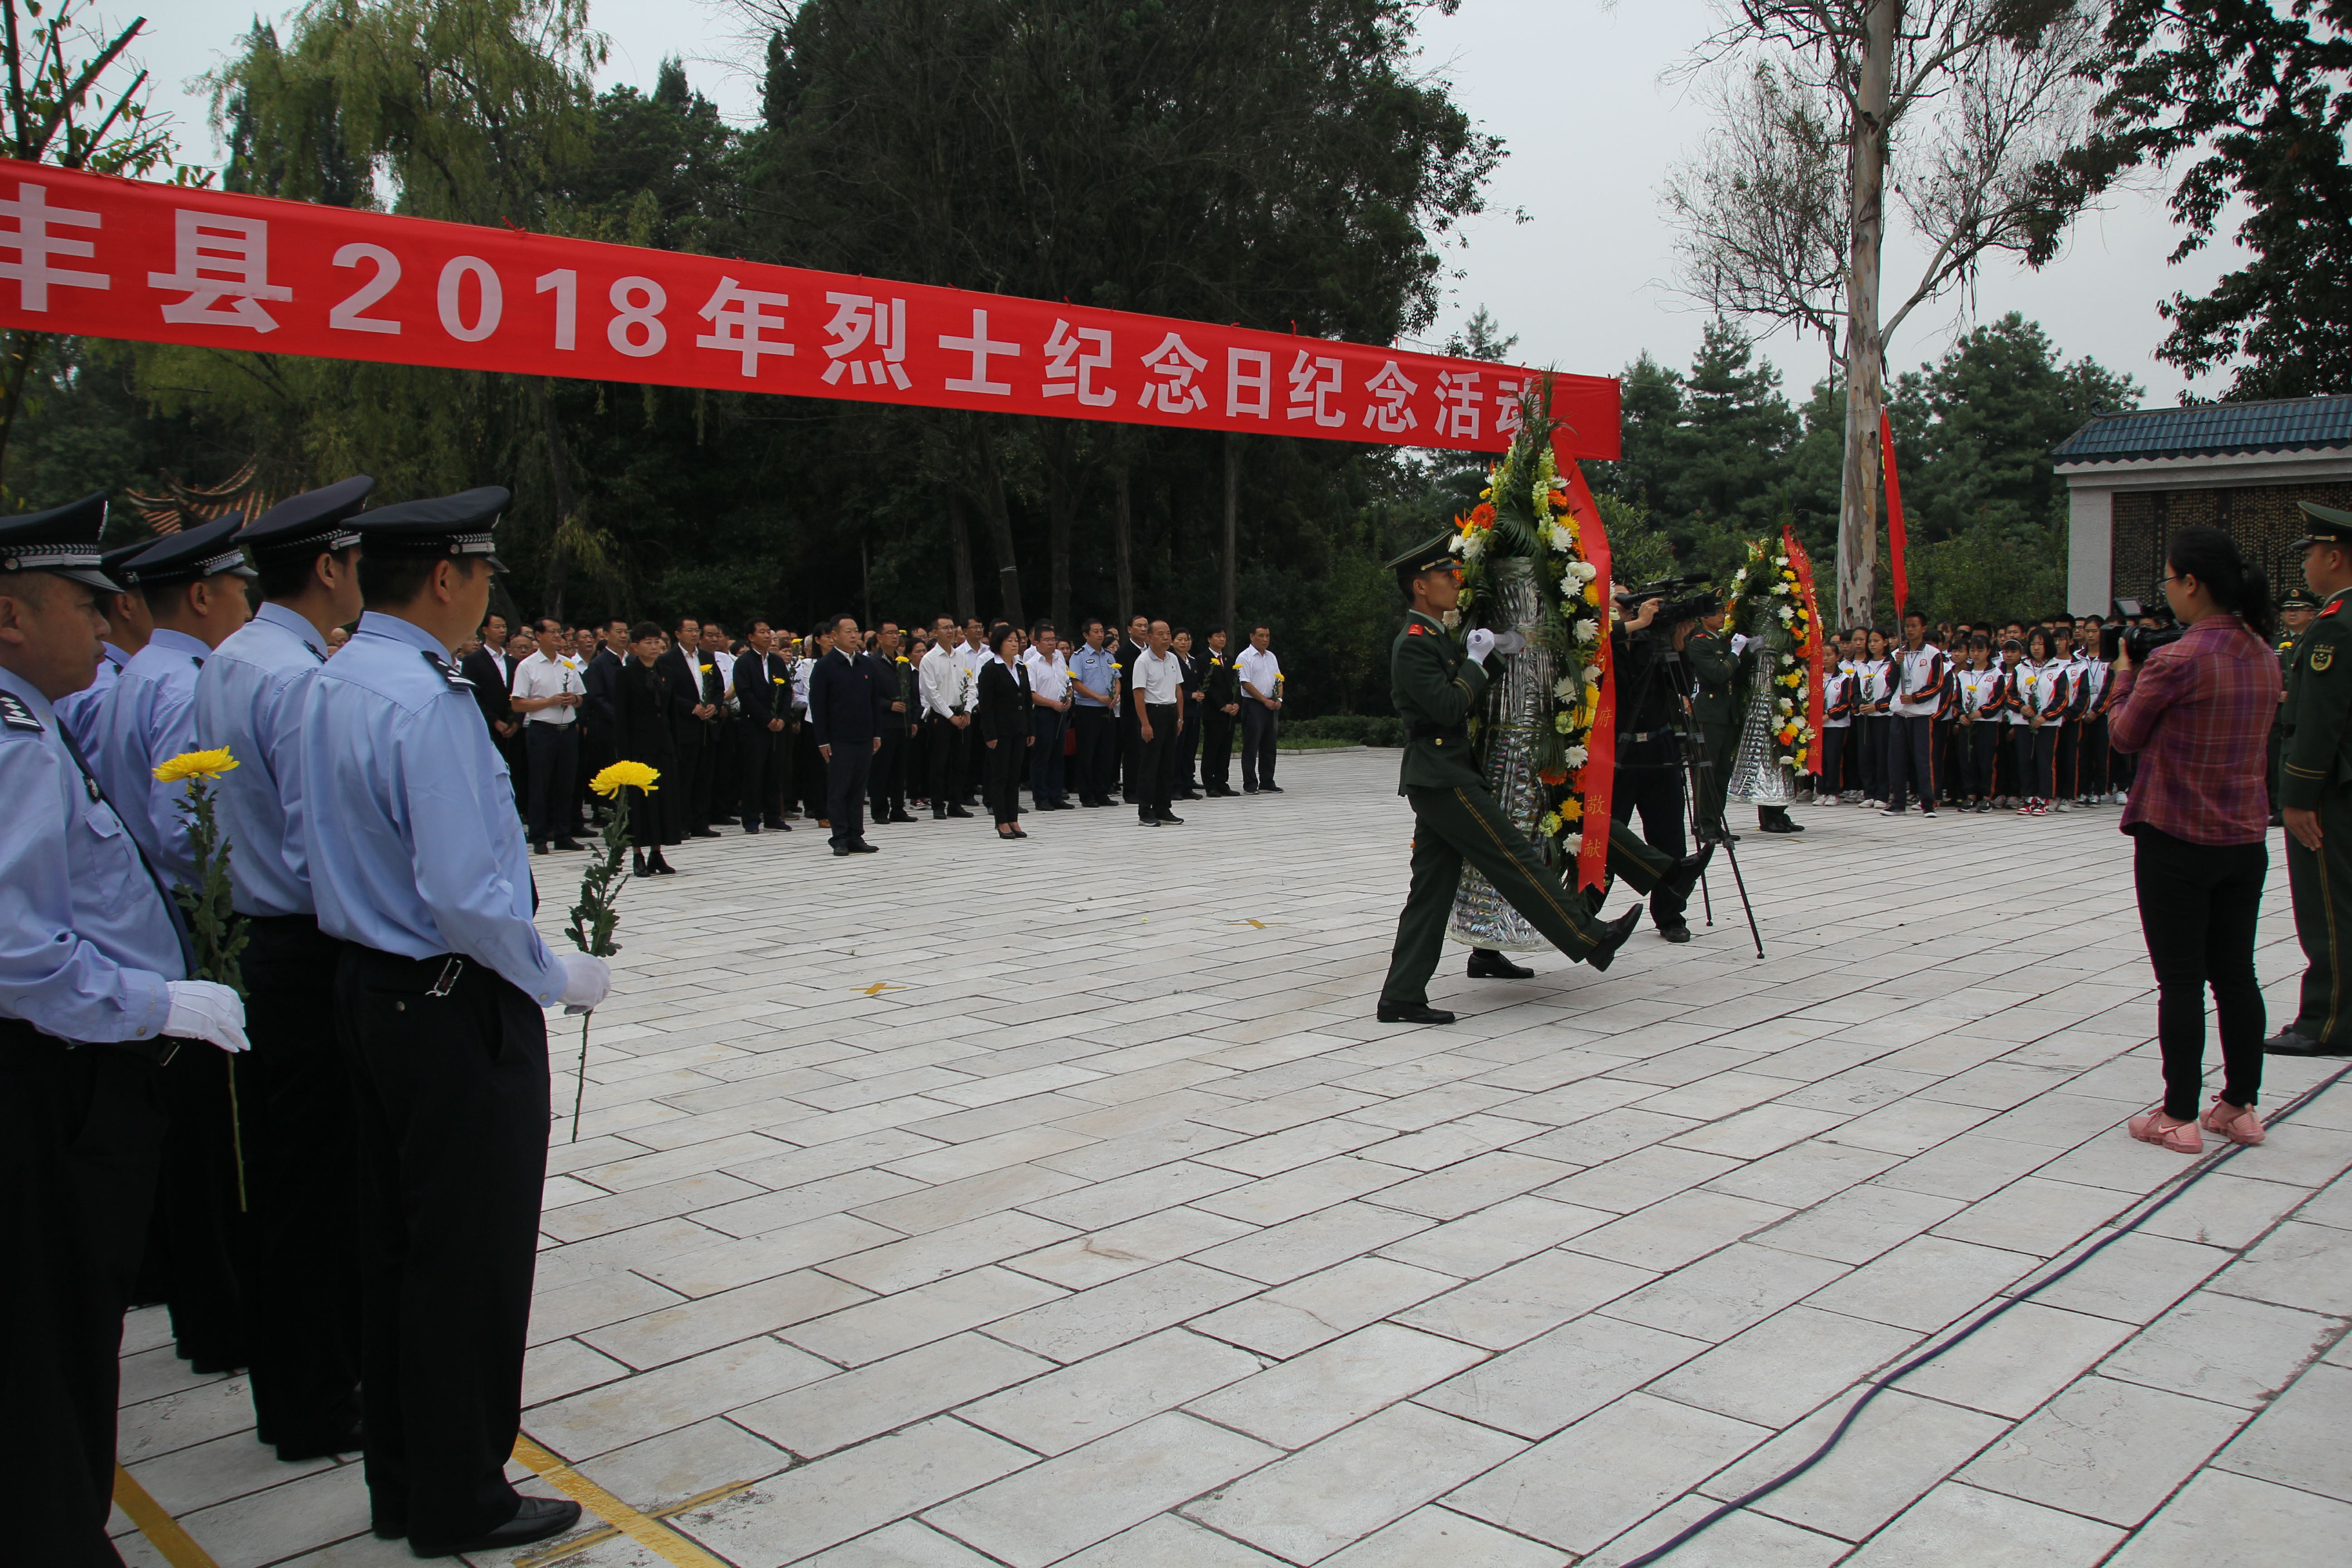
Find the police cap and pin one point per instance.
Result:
(2327, 525)
(1431, 553)
(457, 525)
(62, 539)
(303, 527)
(190, 555)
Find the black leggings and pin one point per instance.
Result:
(2197, 909)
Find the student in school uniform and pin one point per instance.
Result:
(1838, 682)
(1916, 695)
(1872, 717)
(1951, 747)
(2091, 729)
(2039, 690)
(1982, 697)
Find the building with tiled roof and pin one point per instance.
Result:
(2133, 478)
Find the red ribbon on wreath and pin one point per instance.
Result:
(1812, 650)
(1599, 775)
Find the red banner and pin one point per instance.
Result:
(1893, 517)
(1599, 777)
(1814, 655)
(125, 258)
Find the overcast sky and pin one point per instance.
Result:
(1574, 89)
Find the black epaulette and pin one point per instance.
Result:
(446, 671)
(16, 715)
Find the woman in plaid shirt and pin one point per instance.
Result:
(2197, 714)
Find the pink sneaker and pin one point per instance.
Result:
(2155, 1127)
(2237, 1126)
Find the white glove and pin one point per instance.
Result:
(586, 980)
(202, 1010)
(1480, 644)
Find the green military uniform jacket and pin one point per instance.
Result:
(1712, 660)
(2318, 756)
(2287, 644)
(1435, 688)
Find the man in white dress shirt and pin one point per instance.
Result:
(1159, 701)
(548, 692)
(1261, 675)
(1049, 696)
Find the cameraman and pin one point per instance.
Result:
(2197, 713)
(1653, 684)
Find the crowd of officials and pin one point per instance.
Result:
(847, 727)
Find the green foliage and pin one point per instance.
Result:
(213, 929)
(596, 914)
(1346, 729)
(2252, 102)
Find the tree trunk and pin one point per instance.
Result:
(1000, 530)
(1061, 509)
(1123, 545)
(1865, 352)
(23, 353)
(558, 480)
(967, 601)
(1225, 596)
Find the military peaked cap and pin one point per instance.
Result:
(458, 525)
(62, 539)
(190, 555)
(305, 526)
(2327, 525)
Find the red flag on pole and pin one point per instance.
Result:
(1599, 777)
(1894, 517)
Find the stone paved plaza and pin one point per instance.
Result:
(1062, 1203)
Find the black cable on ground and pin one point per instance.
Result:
(2196, 1173)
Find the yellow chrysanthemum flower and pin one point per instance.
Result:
(197, 765)
(632, 776)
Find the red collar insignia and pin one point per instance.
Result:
(1415, 630)
(2332, 605)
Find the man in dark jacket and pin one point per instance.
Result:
(847, 699)
(763, 686)
(492, 673)
(894, 677)
(682, 667)
(600, 722)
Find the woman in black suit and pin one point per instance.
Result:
(1005, 726)
(645, 708)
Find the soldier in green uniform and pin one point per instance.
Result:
(1708, 653)
(2295, 609)
(2314, 792)
(1437, 684)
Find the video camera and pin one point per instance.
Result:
(1687, 599)
(2141, 640)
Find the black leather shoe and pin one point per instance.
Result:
(1674, 934)
(539, 847)
(1172, 819)
(778, 825)
(1269, 789)
(1777, 823)
(1418, 1013)
(900, 816)
(862, 848)
(1486, 963)
(573, 845)
(1147, 822)
(537, 1520)
(843, 849)
(750, 828)
(2287, 1043)
(1616, 932)
(1685, 873)
(958, 811)
(700, 833)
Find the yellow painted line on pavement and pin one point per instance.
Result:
(578, 1544)
(162, 1531)
(650, 1533)
(879, 986)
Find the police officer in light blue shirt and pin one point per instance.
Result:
(193, 583)
(93, 997)
(417, 863)
(298, 1272)
(127, 628)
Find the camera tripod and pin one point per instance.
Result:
(1697, 769)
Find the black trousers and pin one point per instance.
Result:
(199, 1238)
(947, 744)
(757, 772)
(1831, 769)
(657, 817)
(554, 761)
(1259, 724)
(81, 1132)
(596, 755)
(2091, 777)
(1130, 752)
(690, 776)
(2037, 762)
(1047, 762)
(1982, 741)
(1005, 762)
(2197, 909)
(1217, 748)
(783, 758)
(1097, 761)
(886, 788)
(1650, 780)
(1188, 747)
(808, 768)
(301, 1181)
(1911, 762)
(1873, 728)
(845, 774)
(451, 1101)
(725, 768)
(1155, 769)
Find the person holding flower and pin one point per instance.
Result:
(419, 866)
(94, 999)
